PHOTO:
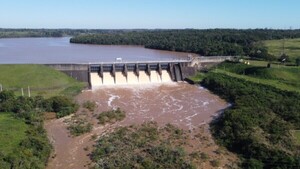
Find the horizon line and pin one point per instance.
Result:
(151, 28)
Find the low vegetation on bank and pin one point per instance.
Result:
(61, 105)
(78, 126)
(111, 116)
(28, 147)
(89, 105)
(259, 125)
(24, 143)
(146, 146)
(40, 79)
(12, 132)
(297, 136)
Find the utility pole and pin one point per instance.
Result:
(22, 91)
(283, 46)
(28, 91)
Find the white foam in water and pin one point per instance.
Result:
(190, 117)
(155, 77)
(132, 78)
(205, 103)
(165, 76)
(96, 80)
(120, 78)
(108, 79)
(144, 78)
(112, 98)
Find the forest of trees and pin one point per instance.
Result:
(206, 42)
(210, 42)
(259, 124)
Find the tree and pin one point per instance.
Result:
(284, 58)
(298, 61)
(270, 57)
(6, 95)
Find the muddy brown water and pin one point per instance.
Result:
(60, 50)
(180, 104)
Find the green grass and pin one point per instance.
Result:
(265, 63)
(12, 131)
(41, 79)
(282, 77)
(198, 77)
(297, 136)
(292, 47)
(111, 116)
(275, 83)
(145, 146)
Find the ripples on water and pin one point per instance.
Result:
(181, 104)
(59, 50)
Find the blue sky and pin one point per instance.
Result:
(117, 14)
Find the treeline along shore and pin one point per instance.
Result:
(209, 42)
(206, 42)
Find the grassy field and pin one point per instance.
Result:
(41, 80)
(279, 76)
(292, 47)
(282, 77)
(12, 131)
(280, 84)
(265, 63)
(197, 78)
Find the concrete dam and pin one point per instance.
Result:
(134, 73)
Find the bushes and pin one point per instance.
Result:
(111, 116)
(62, 105)
(33, 151)
(259, 123)
(78, 126)
(90, 105)
(145, 146)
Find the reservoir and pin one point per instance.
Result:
(60, 50)
(185, 106)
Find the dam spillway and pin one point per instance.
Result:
(134, 73)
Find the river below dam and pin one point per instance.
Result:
(186, 106)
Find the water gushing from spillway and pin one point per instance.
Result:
(131, 79)
(182, 104)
